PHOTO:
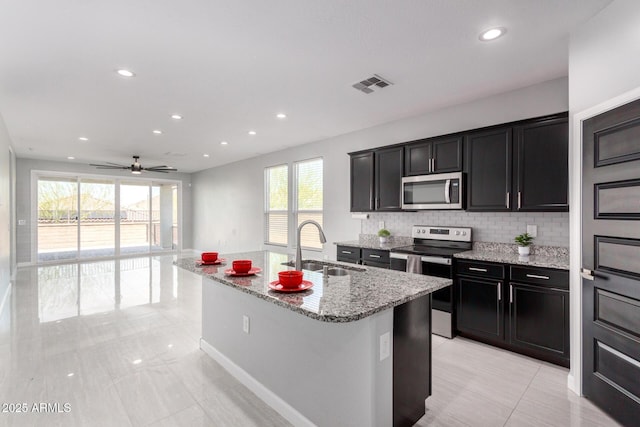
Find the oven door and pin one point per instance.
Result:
(442, 299)
(440, 191)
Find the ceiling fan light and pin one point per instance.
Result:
(136, 172)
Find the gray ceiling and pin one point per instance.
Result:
(229, 66)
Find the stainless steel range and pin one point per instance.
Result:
(435, 246)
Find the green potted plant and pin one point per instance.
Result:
(524, 241)
(384, 234)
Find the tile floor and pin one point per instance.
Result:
(117, 342)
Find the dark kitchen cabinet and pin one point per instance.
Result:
(542, 159)
(388, 179)
(348, 254)
(376, 258)
(522, 167)
(523, 309)
(362, 182)
(539, 313)
(433, 155)
(480, 306)
(489, 162)
(376, 180)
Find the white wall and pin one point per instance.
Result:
(603, 64)
(5, 211)
(228, 200)
(23, 196)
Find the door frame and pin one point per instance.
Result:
(574, 380)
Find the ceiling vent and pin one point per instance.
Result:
(372, 83)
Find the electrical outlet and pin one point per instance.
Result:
(532, 229)
(22, 222)
(245, 324)
(385, 346)
(380, 225)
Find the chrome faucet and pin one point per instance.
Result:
(323, 239)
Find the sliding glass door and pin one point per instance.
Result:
(97, 221)
(85, 217)
(57, 214)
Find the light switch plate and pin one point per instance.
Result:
(245, 324)
(532, 229)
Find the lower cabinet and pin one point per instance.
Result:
(370, 257)
(349, 254)
(480, 308)
(527, 312)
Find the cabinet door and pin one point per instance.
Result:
(542, 166)
(489, 164)
(480, 308)
(388, 179)
(539, 321)
(362, 182)
(447, 154)
(417, 158)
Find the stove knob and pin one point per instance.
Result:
(457, 233)
(464, 233)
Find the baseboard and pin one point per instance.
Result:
(5, 299)
(270, 398)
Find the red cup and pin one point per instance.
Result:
(241, 265)
(209, 256)
(290, 278)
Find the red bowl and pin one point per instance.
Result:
(290, 278)
(209, 256)
(241, 265)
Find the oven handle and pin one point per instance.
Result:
(423, 258)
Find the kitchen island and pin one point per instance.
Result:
(352, 350)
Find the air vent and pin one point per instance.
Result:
(371, 84)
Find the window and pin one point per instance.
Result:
(283, 208)
(309, 200)
(277, 205)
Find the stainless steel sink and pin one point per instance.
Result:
(337, 271)
(311, 266)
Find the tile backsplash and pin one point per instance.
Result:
(553, 227)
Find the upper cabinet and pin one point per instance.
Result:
(488, 163)
(376, 180)
(519, 168)
(362, 182)
(388, 179)
(433, 155)
(541, 176)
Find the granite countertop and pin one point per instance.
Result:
(338, 299)
(541, 256)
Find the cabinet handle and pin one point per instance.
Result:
(536, 276)
(499, 292)
(433, 164)
(347, 252)
(510, 294)
(519, 200)
(374, 256)
(483, 270)
(508, 202)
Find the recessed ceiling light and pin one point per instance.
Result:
(205, 155)
(83, 138)
(137, 361)
(281, 116)
(70, 374)
(252, 132)
(492, 34)
(125, 73)
(157, 132)
(71, 158)
(224, 143)
(176, 116)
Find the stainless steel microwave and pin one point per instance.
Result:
(437, 191)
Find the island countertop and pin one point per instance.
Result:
(338, 299)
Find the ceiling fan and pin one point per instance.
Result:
(136, 168)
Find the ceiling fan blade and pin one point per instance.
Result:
(110, 167)
(108, 164)
(161, 169)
